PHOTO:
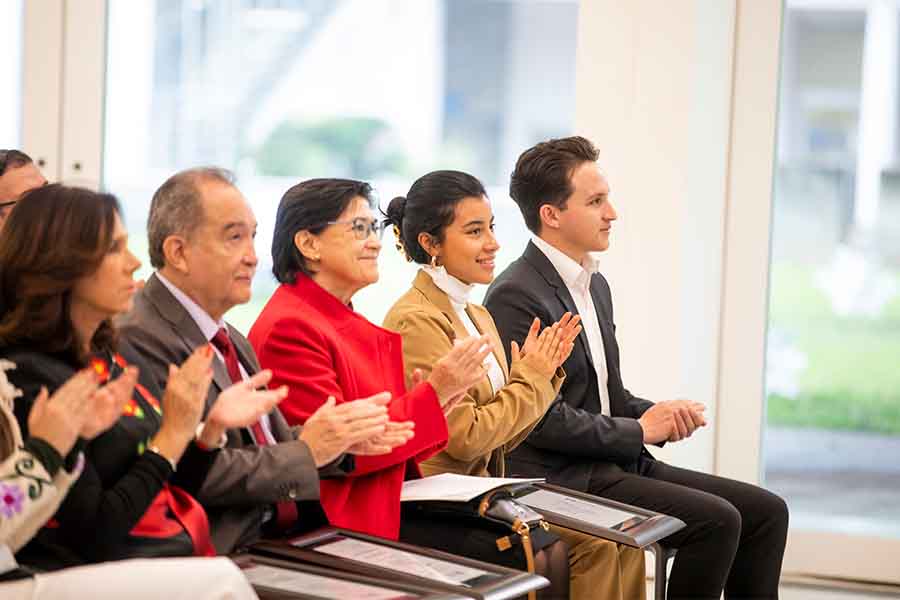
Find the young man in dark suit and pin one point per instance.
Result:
(592, 437)
(201, 232)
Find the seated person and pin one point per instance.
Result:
(592, 438)
(446, 225)
(266, 479)
(67, 272)
(18, 174)
(33, 482)
(324, 250)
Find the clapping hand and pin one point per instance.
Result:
(105, 406)
(547, 350)
(58, 419)
(460, 369)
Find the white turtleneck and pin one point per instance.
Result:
(458, 293)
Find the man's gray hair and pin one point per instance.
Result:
(176, 208)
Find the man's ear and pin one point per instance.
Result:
(549, 215)
(428, 243)
(308, 245)
(174, 249)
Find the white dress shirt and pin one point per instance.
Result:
(458, 293)
(577, 278)
(208, 327)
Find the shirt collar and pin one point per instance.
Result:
(208, 326)
(572, 273)
(456, 290)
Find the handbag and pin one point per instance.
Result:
(500, 508)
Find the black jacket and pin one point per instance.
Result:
(573, 440)
(119, 481)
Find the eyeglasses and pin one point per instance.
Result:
(363, 228)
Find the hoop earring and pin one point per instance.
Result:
(434, 261)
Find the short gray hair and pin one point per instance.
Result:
(176, 207)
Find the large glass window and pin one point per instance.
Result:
(833, 368)
(11, 51)
(379, 90)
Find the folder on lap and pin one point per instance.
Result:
(587, 513)
(340, 550)
(275, 579)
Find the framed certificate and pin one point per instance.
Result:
(598, 516)
(275, 579)
(395, 561)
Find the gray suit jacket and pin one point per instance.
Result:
(245, 479)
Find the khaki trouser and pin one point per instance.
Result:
(603, 570)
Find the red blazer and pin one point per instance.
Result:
(319, 347)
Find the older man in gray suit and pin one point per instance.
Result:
(201, 232)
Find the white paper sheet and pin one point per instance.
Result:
(402, 561)
(310, 583)
(451, 486)
(576, 508)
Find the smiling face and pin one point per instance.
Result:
(109, 290)
(469, 247)
(343, 264)
(214, 264)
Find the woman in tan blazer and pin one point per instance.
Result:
(446, 225)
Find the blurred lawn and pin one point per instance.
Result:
(852, 380)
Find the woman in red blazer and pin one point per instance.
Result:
(325, 249)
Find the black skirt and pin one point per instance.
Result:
(472, 537)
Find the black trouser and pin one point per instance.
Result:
(735, 532)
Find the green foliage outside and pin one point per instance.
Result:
(852, 381)
(358, 147)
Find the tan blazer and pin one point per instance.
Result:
(485, 424)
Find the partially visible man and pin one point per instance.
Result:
(201, 233)
(592, 438)
(18, 174)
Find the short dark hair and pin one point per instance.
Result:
(57, 235)
(176, 207)
(309, 206)
(12, 158)
(429, 207)
(543, 175)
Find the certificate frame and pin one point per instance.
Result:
(250, 559)
(636, 532)
(504, 583)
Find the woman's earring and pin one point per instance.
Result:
(434, 264)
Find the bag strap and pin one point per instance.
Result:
(519, 527)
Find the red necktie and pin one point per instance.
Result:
(286, 511)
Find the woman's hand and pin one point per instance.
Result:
(183, 403)
(334, 428)
(241, 405)
(545, 352)
(396, 433)
(58, 419)
(105, 406)
(460, 369)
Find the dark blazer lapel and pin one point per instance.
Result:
(542, 265)
(183, 324)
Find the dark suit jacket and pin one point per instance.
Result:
(574, 441)
(245, 479)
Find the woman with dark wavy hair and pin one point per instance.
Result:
(66, 273)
